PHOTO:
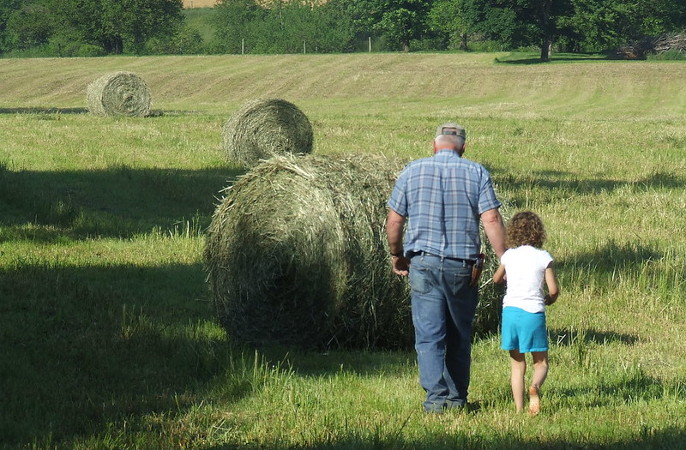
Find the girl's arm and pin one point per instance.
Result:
(499, 275)
(551, 283)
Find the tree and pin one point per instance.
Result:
(400, 21)
(602, 25)
(7, 8)
(116, 25)
(234, 23)
(520, 22)
(335, 31)
(283, 26)
(404, 20)
(29, 25)
(449, 17)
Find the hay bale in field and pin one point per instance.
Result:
(264, 128)
(119, 94)
(296, 254)
(489, 310)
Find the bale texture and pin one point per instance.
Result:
(296, 255)
(264, 128)
(119, 94)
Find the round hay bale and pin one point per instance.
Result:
(264, 128)
(490, 308)
(119, 94)
(296, 255)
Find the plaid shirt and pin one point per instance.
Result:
(443, 197)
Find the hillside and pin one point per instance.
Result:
(470, 82)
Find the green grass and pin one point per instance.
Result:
(108, 337)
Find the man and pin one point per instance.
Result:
(443, 198)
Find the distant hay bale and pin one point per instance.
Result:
(119, 94)
(264, 128)
(296, 255)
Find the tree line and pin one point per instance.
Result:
(105, 27)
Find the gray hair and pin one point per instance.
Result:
(449, 140)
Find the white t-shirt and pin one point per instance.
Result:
(525, 269)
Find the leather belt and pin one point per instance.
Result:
(423, 253)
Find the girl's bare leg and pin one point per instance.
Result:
(518, 363)
(539, 376)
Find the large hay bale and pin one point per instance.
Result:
(264, 128)
(490, 308)
(296, 254)
(119, 94)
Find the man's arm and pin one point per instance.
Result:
(495, 230)
(499, 275)
(395, 224)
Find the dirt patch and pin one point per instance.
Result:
(199, 3)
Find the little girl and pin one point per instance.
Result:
(524, 266)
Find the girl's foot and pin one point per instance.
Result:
(534, 401)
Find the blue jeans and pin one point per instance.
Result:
(443, 308)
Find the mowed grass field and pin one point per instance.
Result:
(108, 337)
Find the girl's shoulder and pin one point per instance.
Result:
(528, 252)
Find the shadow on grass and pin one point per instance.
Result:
(612, 256)
(59, 110)
(43, 110)
(86, 348)
(571, 337)
(625, 386)
(609, 258)
(666, 439)
(549, 181)
(82, 347)
(530, 59)
(118, 202)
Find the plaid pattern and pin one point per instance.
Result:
(443, 197)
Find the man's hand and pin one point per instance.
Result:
(401, 265)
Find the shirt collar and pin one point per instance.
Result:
(447, 152)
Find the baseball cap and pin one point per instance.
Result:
(451, 128)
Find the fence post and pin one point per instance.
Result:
(370, 44)
(242, 46)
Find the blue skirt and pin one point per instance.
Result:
(523, 331)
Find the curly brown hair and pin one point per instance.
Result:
(525, 228)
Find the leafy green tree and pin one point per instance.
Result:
(404, 20)
(450, 18)
(493, 21)
(520, 22)
(282, 27)
(234, 22)
(335, 31)
(602, 25)
(116, 25)
(400, 21)
(290, 26)
(7, 8)
(28, 25)
(187, 41)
